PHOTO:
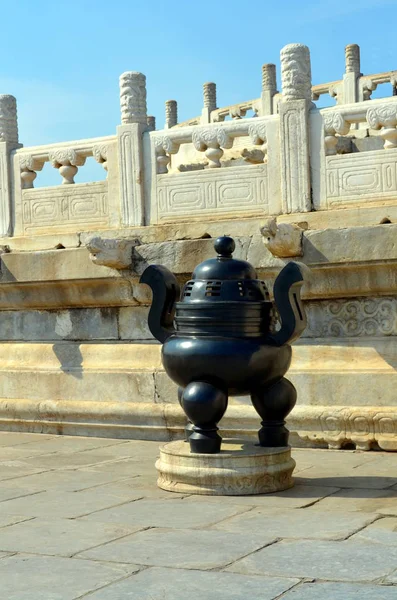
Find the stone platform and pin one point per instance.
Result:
(240, 469)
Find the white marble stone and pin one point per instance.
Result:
(241, 468)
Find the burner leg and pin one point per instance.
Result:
(273, 404)
(189, 424)
(204, 405)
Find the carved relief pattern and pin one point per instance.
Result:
(8, 119)
(365, 427)
(384, 116)
(133, 97)
(296, 72)
(361, 317)
(85, 204)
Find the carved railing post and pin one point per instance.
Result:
(8, 142)
(151, 123)
(209, 98)
(171, 114)
(384, 117)
(129, 137)
(269, 88)
(352, 74)
(294, 128)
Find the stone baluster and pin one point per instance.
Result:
(294, 128)
(8, 143)
(130, 148)
(171, 113)
(29, 166)
(100, 153)
(164, 147)
(334, 123)
(151, 123)
(269, 88)
(352, 74)
(209, 98)
(211, 141)
(384, 117)
(67, 161)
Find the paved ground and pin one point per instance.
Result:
(83, 518)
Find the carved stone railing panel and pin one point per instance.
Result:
(356, 179)
(226, 191)
(56, 208)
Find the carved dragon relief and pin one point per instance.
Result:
(282, 240)
(113, 253)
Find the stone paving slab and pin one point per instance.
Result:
(344, 478)
(177, 584)
(297, 497)
(171, 514)
(356, 499)
(65, 444)
(339, 591)
(14, 469)
(66, 505)
(60, 481)
(28, 577)
(338, 561)
(298, 523)
(383, 531)
(11, 438)
(60, 460)
(182, 548)
(62, 537)
(144, 485)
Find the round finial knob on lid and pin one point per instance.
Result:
(225, 246)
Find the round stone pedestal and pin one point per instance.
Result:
(240, 469)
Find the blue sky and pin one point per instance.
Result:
(62, 60)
